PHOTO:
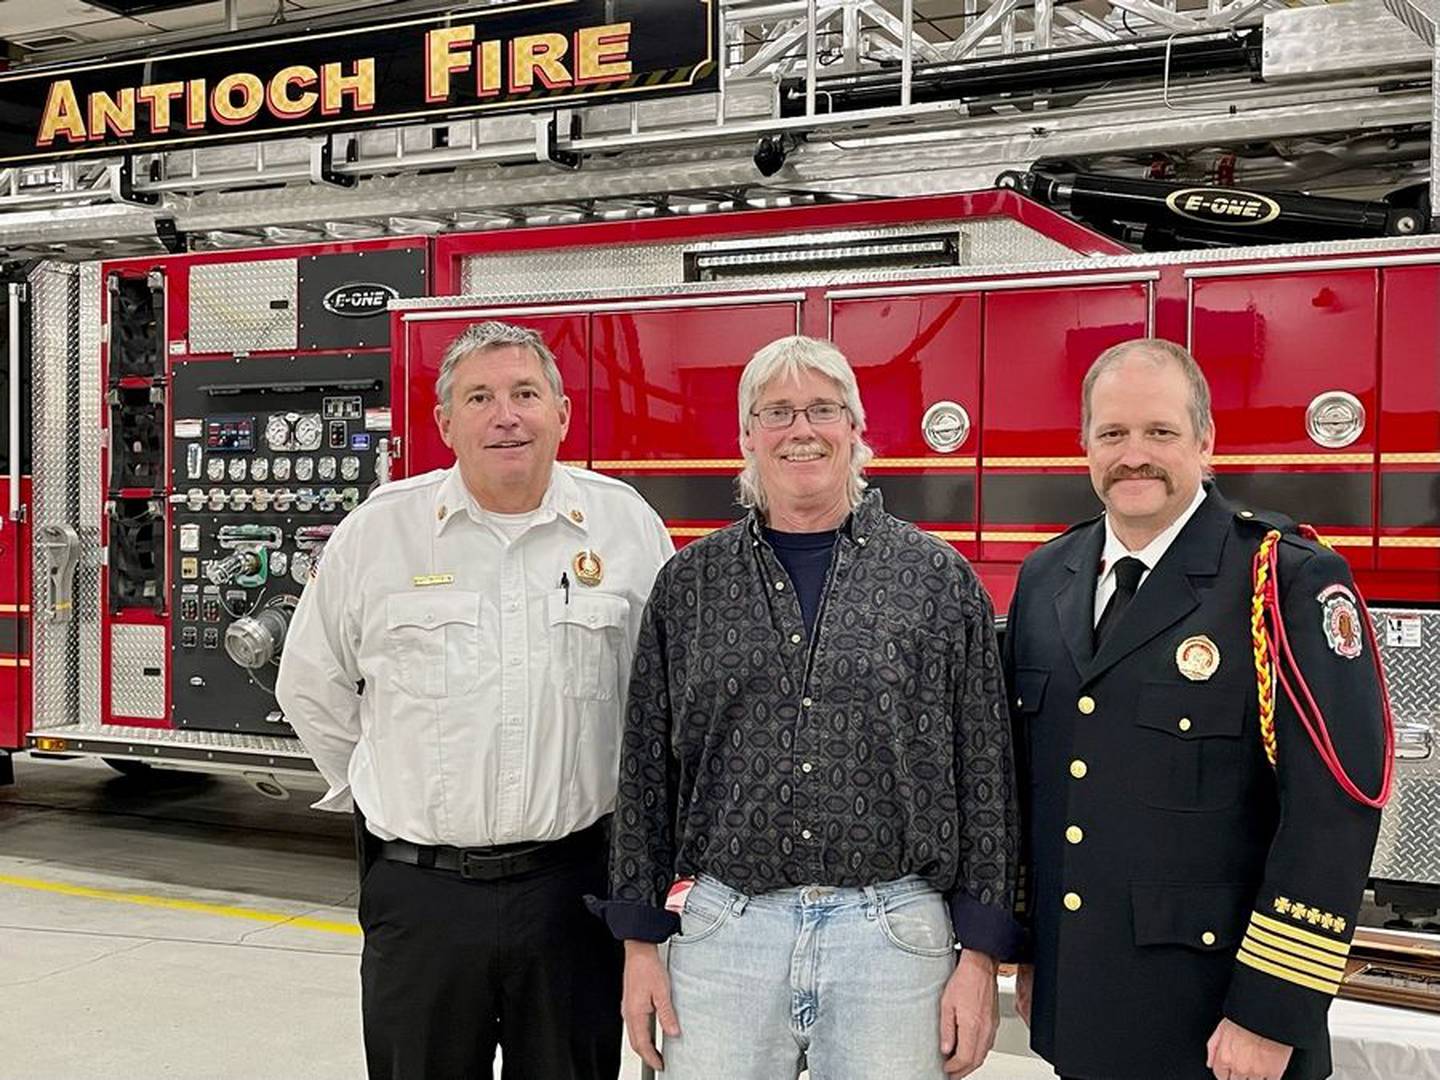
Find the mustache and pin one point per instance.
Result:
(1142, 472)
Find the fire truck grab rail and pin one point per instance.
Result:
(17, 294)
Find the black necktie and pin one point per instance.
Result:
(1127, 579)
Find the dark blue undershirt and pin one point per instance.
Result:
(806, 558)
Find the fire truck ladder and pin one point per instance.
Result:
(816, 98)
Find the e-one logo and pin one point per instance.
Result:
(1221, 206)
(359, 300)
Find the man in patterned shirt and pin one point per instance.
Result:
(816, 802)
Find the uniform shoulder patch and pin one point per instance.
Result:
(1340, 617)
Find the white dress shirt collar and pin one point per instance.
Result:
(1152, 552)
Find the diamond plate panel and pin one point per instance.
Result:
(582, 268)
(55, 292)
(1409, 845)
(243, 306)
(1001, 241)
(137, 671)
(86, 589)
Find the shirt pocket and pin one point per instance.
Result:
(1189, 745)
(434, 638)
(589, 632)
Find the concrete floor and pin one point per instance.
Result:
(183, 926)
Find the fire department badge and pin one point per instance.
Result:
(588, 567)
(1197, 658)
(1341, 619)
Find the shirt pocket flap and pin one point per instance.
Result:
(1029, 690)
(1207, 917)
(593, 610)
(1193, 710)
(427, 610)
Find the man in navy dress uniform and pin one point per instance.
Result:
(1195, 859)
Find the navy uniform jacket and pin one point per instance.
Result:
(1174, 877)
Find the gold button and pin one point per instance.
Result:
(1184, 723)
(1207, 938)
(1078, 769)
(1072, 901)
(1086, 704)
(1074, 834)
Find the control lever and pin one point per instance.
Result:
(60, 545)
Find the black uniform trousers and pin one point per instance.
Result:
(454, 967)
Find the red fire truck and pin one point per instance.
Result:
(200, 421)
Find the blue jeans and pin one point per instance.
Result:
(844, 981)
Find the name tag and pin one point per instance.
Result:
(421, 580)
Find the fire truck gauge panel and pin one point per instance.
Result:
(945, 426)
(1335, 419)
(252, 543)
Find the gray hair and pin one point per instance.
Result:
(479, 337)
(1158, 351)
(787, 358)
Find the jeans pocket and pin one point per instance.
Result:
(702, 917)
(917, 923)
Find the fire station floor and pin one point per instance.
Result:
(183, 926)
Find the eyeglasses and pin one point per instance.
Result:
(776, 417)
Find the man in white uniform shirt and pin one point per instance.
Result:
(458, 668)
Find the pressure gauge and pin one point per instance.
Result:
(304, 468)
(237, 468)
(277, 432)
(350, 467)
(281, 469)
(327, 468)
(215, 468)
(309, 432)
(259, 469)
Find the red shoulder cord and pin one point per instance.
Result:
(1272, 644)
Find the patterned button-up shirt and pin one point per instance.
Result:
(879, 747)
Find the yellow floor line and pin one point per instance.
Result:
(324, 926)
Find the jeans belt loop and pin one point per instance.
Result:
(737, 903)
(872, 902)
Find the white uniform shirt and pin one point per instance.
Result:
(493, 696)
(1150, 554)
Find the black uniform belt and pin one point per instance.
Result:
(502, 861)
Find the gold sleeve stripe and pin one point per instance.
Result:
(1324, 987)
(1341, 948)
(1321, 971)
(1296, 949)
